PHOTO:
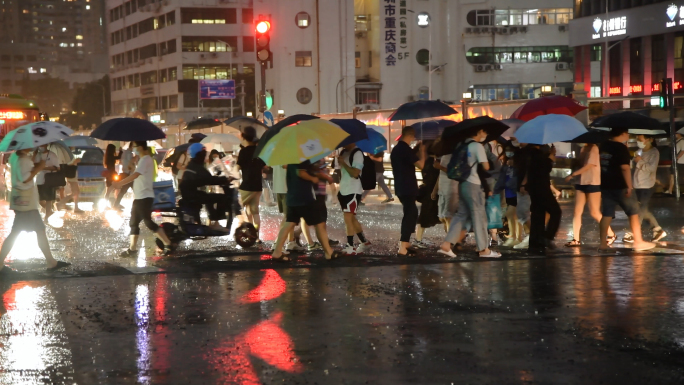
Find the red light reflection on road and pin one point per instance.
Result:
(271, 287)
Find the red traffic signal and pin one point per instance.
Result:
(263, 26)
(263, 40)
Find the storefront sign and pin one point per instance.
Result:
(675, 85)
(12, 115)
(615, 90)
(390, 32)
(676, 15)
(615, 26)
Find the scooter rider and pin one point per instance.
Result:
(196, 176)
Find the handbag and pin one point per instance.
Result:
(494, 212)
(55, 179)
(68, 170)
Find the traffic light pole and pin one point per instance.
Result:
(673, 137)
(262, 95)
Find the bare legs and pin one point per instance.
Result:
(594, 202)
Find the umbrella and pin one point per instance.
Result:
(271, 132)
(513, 125)
(551, 128)
(469, 127)
(150, 143)
(431, 129)
(62, 150)
(128, 129)
(310, 140)
(375, 143)
(591, 137)
(240, 122)
(202, 123)
(225, 141)
(628, 120)
(548, 105)
(422, 109)
(355, 128)
(33, 135)
(80, 141)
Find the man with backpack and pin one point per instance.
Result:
(463, 168)
(351, 161)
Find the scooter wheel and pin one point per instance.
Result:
(246, 235)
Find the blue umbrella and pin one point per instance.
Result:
(422, 109)
(128, 129)
(375, 143)
(431, 129)
(546, 129)
(355, 128)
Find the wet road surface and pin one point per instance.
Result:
(215, 314)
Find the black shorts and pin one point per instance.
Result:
(46, 193)
(310, 214)
(512, 201)
(321, 208)
(588, 188)
(349, 202)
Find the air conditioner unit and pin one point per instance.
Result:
(484, 29)
(562, 67)
(214, 55)
(504, 31)
(562, 28)
(513, 29)
(476, 30)
(498, 67)
(495, 30)
(468, 30)
(202, 56)
(481, 68)
(523, 29)
(488, 67)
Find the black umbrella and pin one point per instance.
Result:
(240, 122)
(201, 123)
(422, 109)
(354, 127)
(271, 132)
(627, 120)
(128, 129)
(591, 137)
(455, 134)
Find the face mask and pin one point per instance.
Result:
(641, 144)
(481, 140)
(510, 154)
(136, 151)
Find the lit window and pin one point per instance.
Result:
(43, 70)
(87, 6)
(302, 19)
(79, 45)
(79, 37)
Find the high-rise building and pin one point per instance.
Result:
(63, 39)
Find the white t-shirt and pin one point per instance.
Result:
(476, 155)
(680, 147)
(142, 185)
(126, 159)
(51, 160)
(348, 184)
(21, 170)
(446, 186)
(279, 180)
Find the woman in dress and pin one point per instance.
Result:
(428, 216)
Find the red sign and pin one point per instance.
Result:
(12, 115)
(656, 87)
(676, 86)
(615, 90)
(636, 88)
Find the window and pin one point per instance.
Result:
(367, 96)
(171, 18)
(146, 25)
(422, 57)
(148, 78)
(4, 57)
(208, 15)
(163, 76)
(218, 72)
(303, 59)
(302, 20)
(247, 15)
(480, 17)
(531, 54)
(357, 59)
(173, 101)
(248, 44)
(304, 95)
(136, 80)
(167, 47)
(148, 51)
(161, 22)
(209, 43)
(506, 17)
(31, 58)
(173, 73)
(18, 57)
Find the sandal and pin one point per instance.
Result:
(573, 243)
(336, 254)
(410, 252)
(282, 258)
(59, 265)
(611, 240)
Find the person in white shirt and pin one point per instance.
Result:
(351, 164)
(143, 198)
(46, 194)
(24, 203)
(471, 202)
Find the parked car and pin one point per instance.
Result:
(90, 180)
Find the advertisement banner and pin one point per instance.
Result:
(217, 89)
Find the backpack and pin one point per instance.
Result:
(172, 161)
(367, 176)
(458, 168)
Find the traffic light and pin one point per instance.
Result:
(263, 40)
(663, 95)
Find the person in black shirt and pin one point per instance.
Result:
(404, 163)
(379, 177)
(301, 204)
(537, 183)
(616, 188)
(251, 168)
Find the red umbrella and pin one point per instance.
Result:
(548, 105)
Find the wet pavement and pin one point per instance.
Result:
(217, 314)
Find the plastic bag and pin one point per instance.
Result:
(494, 212)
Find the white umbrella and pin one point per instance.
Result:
(550, 128)
(150, 143)
(80, 141)
(225, 141)
(34, 135)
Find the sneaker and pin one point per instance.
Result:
(658, 235)
(362, 248)
(419, 245)
(524, 244)
(628, 238)
(449, 253)
(129, 254)
(349, 250)
(511, 242)
(293, 246)
(315, 246)
(491, 254)
(388, 200)
(333, 242)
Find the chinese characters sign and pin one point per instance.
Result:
(672, 11)
(217, 89)
(396, 31)
(12, 115)
(615, 26)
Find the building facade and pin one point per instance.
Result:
(624, 48)
(62, 39)
(492, 49)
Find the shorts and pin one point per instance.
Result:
(612, 198)
(28, 221)
(588, 188)
(523, 208)
(349, 202)
(46, 193)
(447, 206)
(310, 214)
(282, 203)
(512, 201)
(321, 208)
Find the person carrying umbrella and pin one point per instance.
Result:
(617, 188)
(252, 180)
(46, 192)
(351, 164)
(143, 197)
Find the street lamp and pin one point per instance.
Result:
(231, 71)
